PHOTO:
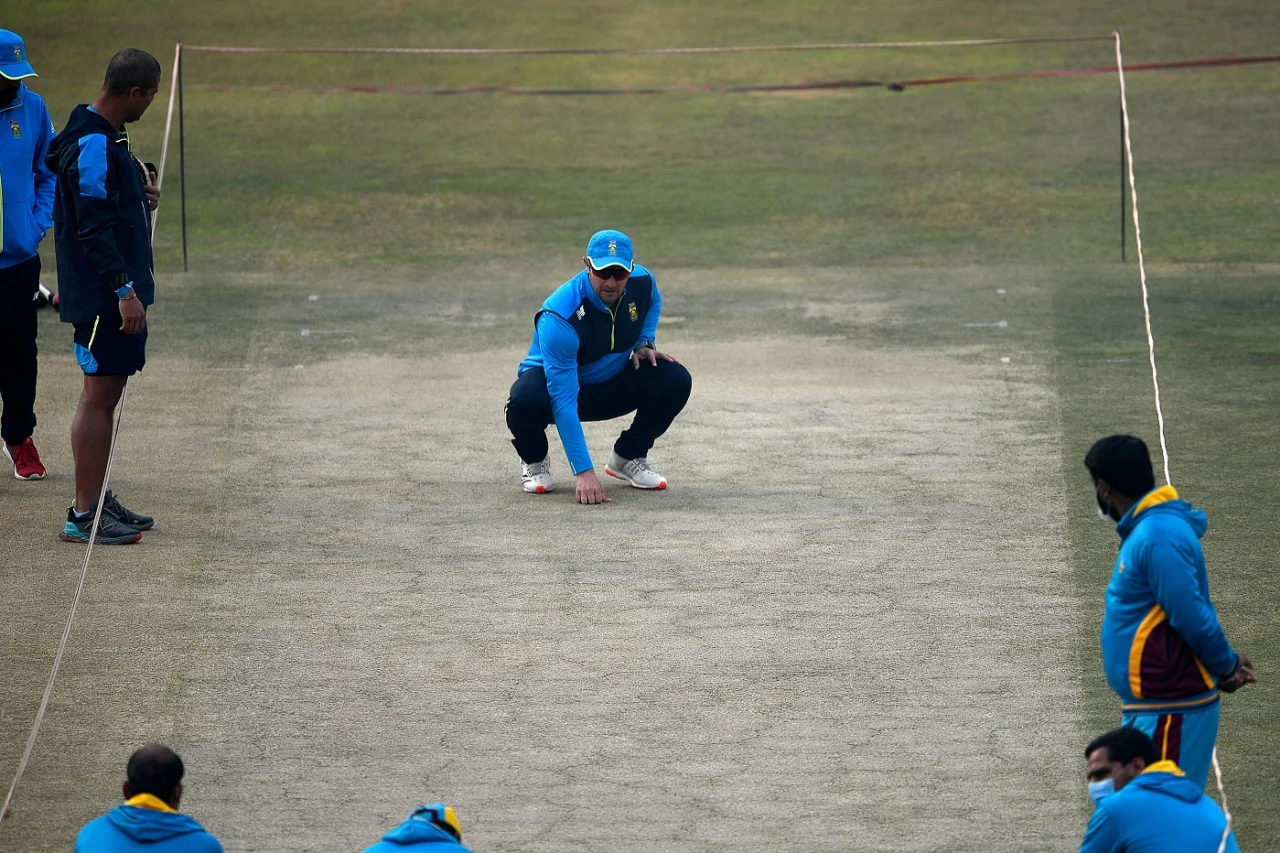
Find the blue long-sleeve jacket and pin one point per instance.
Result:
(1162, 646)
(145, 824)
(26, 184)
(578, 341)
(101, 220)
(1159, 811)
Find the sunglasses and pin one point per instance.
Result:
(615, 272)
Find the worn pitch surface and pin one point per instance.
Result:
(847, 625)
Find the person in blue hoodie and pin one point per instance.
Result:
(102, 231)
(26, 213)
(593, 358)
(429, 829)
(148, 821)
(1164, 652)
(1145, 804)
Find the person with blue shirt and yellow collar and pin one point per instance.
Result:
(593, 358)
(26, 213)
(148, 821)
(430, 829)
(1164, 652)
(1145, 804)
(102, 231)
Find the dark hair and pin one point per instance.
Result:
(1125, 744)
(155, 770)
(131, 67)
(1124, 463)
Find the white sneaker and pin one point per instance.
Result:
(537, 477)
(635, 471)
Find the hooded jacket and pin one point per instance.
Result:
(101, 221)
(1162, 646)
(26, 184)
(1158, 812)
(145, 824)
(418, 834)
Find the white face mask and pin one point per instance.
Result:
(1099, 791)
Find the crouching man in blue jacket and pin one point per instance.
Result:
(148, 821)
(429, 829)
(593, 358)
(1144, 804)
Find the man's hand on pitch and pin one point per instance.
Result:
(648, 354)
(589, 489)
(132, 315)
(1243, 675)
(153, 196)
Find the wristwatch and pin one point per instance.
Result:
(642, 344)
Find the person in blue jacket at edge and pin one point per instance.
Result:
(429, 829)
(1163, 650)
(26, 213)
(148, 821)
(593, 358)
(1145, 804)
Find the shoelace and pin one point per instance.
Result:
(637, 466)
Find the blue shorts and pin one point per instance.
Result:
(103, 350)
(1186, 739)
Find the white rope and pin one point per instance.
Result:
(168, 125)
(97, 518)
(523, 51)
(1155, 378)
(1142, 268)
(75, 601)
(1222, 794)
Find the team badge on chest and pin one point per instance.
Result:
(16, 128)
(632, 312)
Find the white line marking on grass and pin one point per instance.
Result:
(999, 324)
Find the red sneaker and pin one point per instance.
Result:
(25, 459)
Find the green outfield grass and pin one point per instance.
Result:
(431, 226)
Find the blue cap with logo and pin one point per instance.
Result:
(13, 57)
(610, 249)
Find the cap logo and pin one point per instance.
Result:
(17, 52)
(613, 247)
(17, 131)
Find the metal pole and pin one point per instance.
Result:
(182, 163)
(1123, 163)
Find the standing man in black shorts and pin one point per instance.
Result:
(102, 232)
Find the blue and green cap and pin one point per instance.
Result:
(13, 57)
(610, 249)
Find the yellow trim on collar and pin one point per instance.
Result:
(1165, 766)
(1159, 496)
(150, 801)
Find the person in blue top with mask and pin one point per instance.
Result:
(1164, 652)
(430, 829)
(148, 821)
(593, 358)
(1144, 804)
